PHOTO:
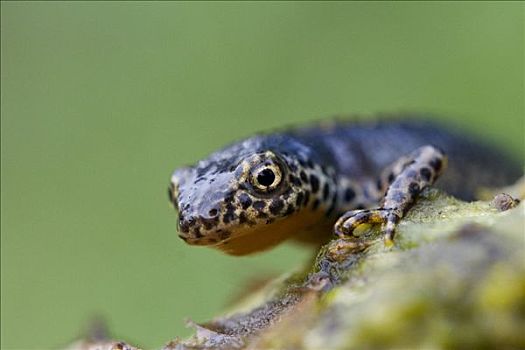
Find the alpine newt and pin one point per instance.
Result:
(298, 183)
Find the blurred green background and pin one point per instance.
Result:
(101, 101)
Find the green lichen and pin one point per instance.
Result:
(454, 279)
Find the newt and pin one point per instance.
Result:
(302, 182)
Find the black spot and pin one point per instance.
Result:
(289, 210)
(303, 176)
(310, 164)
(185, 225)
(413, 188)
(229, 216)
(299, 199)
(295, 180)
(360, 207)
(316, 204)
(314, 182)
(326, 191)
(330, 210)
(242, 218)
(245, 200)
(226, 218)
(302, 162)
(436, 164)
(276, 206)
(333, 205)
(197, 232)
(425, 174)
(379, 184)
(334, 200)
(349, 194)
(391, 178)
(259, 205)
(210, 223)
(306, 198)
(229, 206)
(262, 215)
(213, 212)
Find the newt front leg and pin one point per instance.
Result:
(403, 180)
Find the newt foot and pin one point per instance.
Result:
(351, 220)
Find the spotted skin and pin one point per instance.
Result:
(402, 181)
(263, 190)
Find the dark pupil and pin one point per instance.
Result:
(266, 177)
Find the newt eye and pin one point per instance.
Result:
(266, 177)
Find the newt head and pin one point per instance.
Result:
(249, 196)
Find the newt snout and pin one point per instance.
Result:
(242, 198)
(199, 205)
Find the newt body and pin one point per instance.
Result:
(258, 192)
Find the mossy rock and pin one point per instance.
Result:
(454, 279)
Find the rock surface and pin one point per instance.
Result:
(454, 279)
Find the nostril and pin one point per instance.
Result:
(185, 223)
(213, 212)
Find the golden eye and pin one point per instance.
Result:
(266, 177)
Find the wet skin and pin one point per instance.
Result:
(298, 183)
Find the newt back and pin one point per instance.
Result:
(361, 150)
